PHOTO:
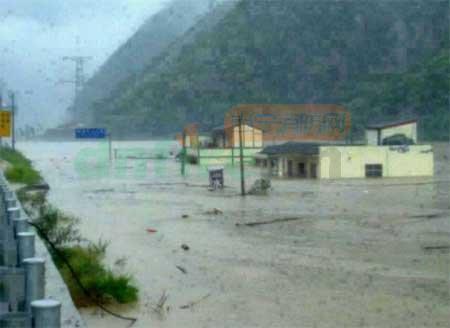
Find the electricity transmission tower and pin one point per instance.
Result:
(79, 72)
(211, 4)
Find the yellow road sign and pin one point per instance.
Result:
(5, 123)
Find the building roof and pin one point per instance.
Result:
(389, 124)
(301, 148)
(220, 128)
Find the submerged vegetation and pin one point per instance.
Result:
(65, 243)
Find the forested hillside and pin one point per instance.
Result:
(151, 39)
(377, 58)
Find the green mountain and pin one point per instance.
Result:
(423, 91)
(379, 59)
(149, 41)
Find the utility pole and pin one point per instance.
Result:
(183, 152)
(110, 146)
(241, 156)
(12, 96)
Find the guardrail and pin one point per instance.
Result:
(22, 274)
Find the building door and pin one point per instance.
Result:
(302, 170)
(289, 168)
(313, 170)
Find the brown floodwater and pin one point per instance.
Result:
(355, 255)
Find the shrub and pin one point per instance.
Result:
(102, 284)
(58, 227)
(86, 261)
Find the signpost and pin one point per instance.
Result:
(94, 133)
(5, 123)
(90, 133)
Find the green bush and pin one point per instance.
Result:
(102, 284)
(87, 261)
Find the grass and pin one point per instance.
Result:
(21, 170)
(101, 283)
(86, 259)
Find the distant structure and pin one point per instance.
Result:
(212, 4)
(79, 78)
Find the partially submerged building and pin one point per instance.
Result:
(222, 145)
(381, 133)
(391, 151)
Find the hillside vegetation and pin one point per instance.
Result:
(377, 58)
(149, 41)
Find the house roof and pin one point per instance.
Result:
(219, 128)
(389, 124)
(303, 148)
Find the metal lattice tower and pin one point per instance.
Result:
(211, 5)
(79, 72)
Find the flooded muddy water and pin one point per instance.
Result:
(357, 254)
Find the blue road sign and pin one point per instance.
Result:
(91, 133)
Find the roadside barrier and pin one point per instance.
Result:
(22, 274)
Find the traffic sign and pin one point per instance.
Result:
(90, 133)
(5, 123)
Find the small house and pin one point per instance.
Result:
(380, 133)
(229, 137)
(391, 151)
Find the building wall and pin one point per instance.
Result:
(398, 161)
(212, 156)
(281, 168)
(251, 137)
(409, 130)
(372, 137)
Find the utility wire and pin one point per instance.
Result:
(77, 279)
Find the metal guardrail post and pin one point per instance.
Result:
(34, 280)
(12, 213)
(11, 202)
(25, 247)
(46, 313)
(20, 225)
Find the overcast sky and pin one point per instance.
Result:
(36, 34)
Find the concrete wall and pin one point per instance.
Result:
(398, 161)
(212, 156)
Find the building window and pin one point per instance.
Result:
(374, 170)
